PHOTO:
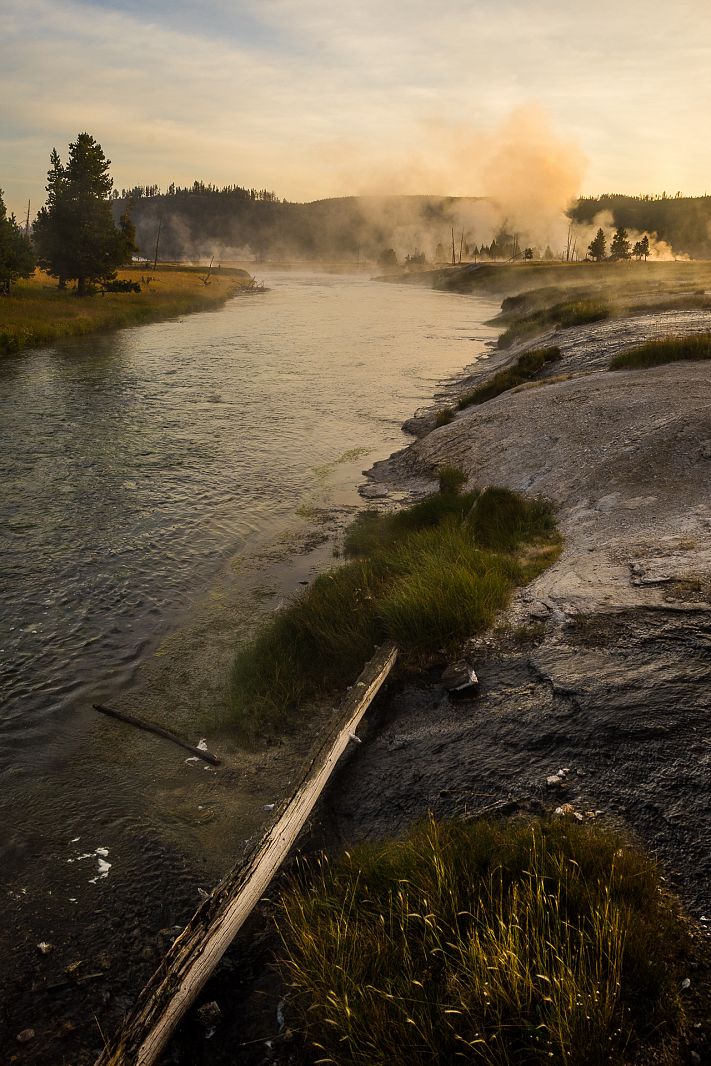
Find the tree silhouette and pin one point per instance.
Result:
(74, 232)
(597, 248)
(620, 247)
(17, 259)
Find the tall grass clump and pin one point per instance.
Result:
(524, 369)
(427, 577)
(471, 941)
(696, 346)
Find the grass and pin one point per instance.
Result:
(529, 943)
(669, 350)
(567, 313)
(38, 312)
(443, 417)
(427, 577)
(524, 369)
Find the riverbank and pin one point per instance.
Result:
(38, 312)
(594, 686)
(176, 514)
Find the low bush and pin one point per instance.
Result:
(524, 369)
(523, 943)
(696, 346)
(427, 577)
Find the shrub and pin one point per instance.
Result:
(528, 943)
(697, 346)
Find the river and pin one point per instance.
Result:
(143, 473)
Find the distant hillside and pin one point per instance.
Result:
(683, 221)
(236, 223)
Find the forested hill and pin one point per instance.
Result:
(234, 223)
(683, 221)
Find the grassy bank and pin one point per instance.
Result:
(524, 369)
(576, 312)
(531, 943)
(427, 577)
(38, 312)
(509, 278)
(695, 347)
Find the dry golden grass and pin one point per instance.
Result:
(540, 943)
(38, 312)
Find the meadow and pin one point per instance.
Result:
(38, 312)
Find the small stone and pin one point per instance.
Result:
(25, 1036)
(565, 810)
(44, 948)
(686, 983)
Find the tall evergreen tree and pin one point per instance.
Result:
(17, 259)
(74, 232)
(620, 247)
(598, 247)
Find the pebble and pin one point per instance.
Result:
(25, 1036)
(44, 948)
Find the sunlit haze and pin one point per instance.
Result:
(315, 99)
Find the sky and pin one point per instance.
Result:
(312, 98)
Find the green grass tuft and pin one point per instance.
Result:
(696, 346)
(524, 369)
(452, 479)
(428, 577)
(525, 943)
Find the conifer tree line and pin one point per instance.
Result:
(74, 238)
(620, 246)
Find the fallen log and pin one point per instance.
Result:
(149, 727)
(196, 952)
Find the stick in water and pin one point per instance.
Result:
(159, 731)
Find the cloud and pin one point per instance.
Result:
(266, 93)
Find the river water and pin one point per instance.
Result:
(133, 468)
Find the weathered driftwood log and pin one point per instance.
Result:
(201, 753)
(197, 951)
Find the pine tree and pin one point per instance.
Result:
(74, 232)
(17, 259)
(598, 247)
(620, 247)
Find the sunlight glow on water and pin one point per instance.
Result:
(131, 463)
